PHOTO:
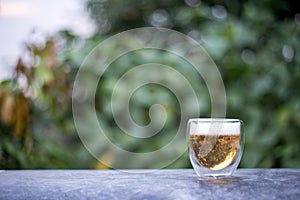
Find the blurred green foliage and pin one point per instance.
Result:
(254, 44)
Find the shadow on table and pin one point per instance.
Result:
(234, 180)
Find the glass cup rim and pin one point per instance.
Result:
(214, 120)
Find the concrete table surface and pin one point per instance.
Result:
(144, 184)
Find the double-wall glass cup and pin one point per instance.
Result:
(215, 145)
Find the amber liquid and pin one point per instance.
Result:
(214, 152)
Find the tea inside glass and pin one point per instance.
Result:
(215, 145)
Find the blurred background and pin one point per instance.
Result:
(255, 44)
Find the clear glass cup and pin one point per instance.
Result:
(215, 145)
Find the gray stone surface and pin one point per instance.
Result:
(138, 184)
